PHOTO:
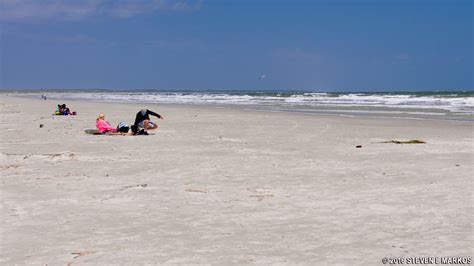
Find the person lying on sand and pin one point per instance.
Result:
(103, 126)
(142, 121)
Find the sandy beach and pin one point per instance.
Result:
(230, 186)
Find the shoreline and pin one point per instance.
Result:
(387, 112)
(230, 186)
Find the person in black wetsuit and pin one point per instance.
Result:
(142, 120)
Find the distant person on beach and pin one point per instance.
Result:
(103, 126)
(65, 110)
(59, 110)
(62, 109)
(142, 121)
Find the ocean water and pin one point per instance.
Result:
(435, 105)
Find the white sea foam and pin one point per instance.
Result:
(398, 102)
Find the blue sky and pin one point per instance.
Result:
(320, 45)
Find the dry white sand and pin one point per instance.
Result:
(226, 185)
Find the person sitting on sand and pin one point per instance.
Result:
(103, 126)
(59, 110)
(66, 110)
(142, 120)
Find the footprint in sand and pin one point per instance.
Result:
(67, 156)
(260, 193)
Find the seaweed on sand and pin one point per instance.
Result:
(411, 141)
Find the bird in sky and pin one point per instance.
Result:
(262, 77)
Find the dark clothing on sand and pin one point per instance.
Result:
(141, 117)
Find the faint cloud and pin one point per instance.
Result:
(27, 10)
(48, 38)
(298, 54)
(130, 8)
(183, 44)
(73, 38)
(403, 57)
(17, 10)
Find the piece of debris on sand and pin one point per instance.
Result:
(197, 190)
(411, 141)
(81, 253)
